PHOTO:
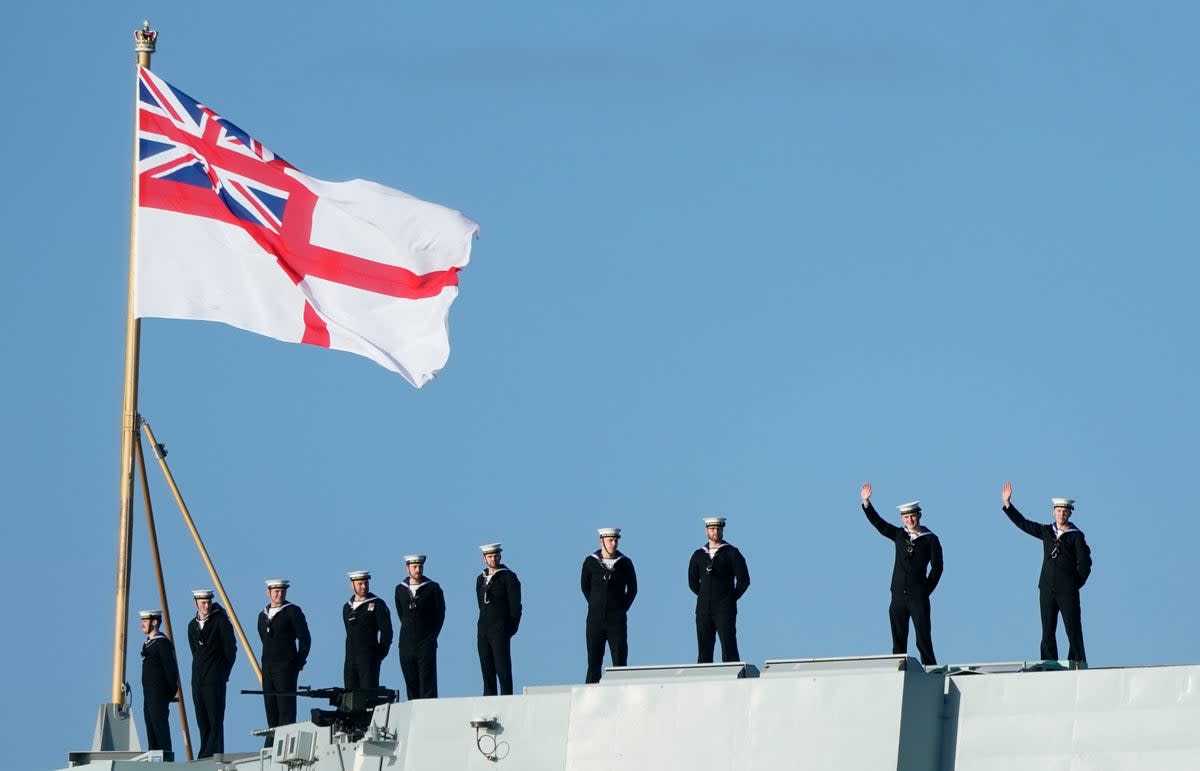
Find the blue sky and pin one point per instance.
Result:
(735, 259)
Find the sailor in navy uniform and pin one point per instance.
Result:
(915, 574)
(1066, 565)
(160, 681)
(718, 576)
(498, 594)
(368, 633)
(421, 609)
(286, 642)
(609, 584)
(210, 636)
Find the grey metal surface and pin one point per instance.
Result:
(868, 713)
(667, 672)
(116, 730)
(762, 723)
(836, 665)
(1128, 719)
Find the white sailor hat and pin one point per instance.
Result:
(912, 507)
(417, 558)
(359, 575)
(605, 532)
(714, 521)
(278, 583)
(145, 614)
(490, 548)
(1063, 503)
(202, 594)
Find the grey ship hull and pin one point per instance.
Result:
(867, 713)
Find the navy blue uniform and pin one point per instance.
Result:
(718, 580)
(160, 682)
(368, 640)
(609, 594)
(915, 575)
(499, 603)
(421, 615)
(213, 651)
(1066, 565)
(285, 646)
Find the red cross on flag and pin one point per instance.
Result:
(228, 231)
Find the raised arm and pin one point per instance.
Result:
(1032, 528)
(886, 530)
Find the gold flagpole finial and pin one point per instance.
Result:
(144, 39)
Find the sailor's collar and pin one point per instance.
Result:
(158, 635)
(616, 556)
(212, 611)
(269, 607)
(355, 603)
(1063, 531)
(920, 531)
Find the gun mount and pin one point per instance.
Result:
(351, 713)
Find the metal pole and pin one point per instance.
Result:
(162, 586)
(144, 44)
(212, 571)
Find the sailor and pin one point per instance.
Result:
(609, 585)
(421, 608)
(1066, 565)
(915, 574)
(210, 636)
(498, 594)
(368, 633)
(285, 646)
(160, 681)
(718, 576)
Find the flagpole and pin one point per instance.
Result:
(164, 602)
(161, 454)
(144, 44)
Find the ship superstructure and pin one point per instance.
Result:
(870, 713)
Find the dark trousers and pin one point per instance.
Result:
(418, 664)
(612, 630)
(711, 625)
(495, 661)
(155, 706)
(209, 701)
(361, 670)
(916, 607)
(1066, 603)
(279, 679)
